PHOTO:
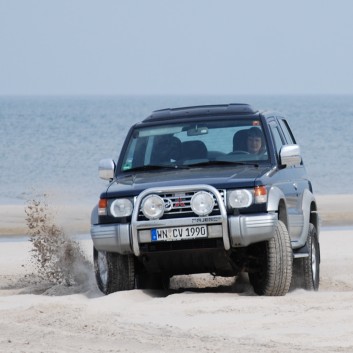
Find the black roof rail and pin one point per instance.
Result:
(219, 109)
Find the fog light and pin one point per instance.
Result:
(153, 207)
(202, 203)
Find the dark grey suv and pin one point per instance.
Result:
(210, 189)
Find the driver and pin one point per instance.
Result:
(255, 141)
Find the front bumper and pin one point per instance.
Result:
(235, 231)
(249, 229)
(112, 237)
(241, 231)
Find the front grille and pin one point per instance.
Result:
(180, 205)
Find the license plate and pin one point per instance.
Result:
(179, 233)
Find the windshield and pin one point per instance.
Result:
(195, 143)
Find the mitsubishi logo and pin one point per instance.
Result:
(179, 203)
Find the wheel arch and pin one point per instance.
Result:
(277, 203)
(314, 216)
(310, 215)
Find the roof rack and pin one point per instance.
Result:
(220, 109)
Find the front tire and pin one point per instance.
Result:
(274, 274)
(114, 272)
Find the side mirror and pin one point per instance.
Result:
(290, 155)
(106, 169)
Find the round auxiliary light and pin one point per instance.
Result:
(202, 203)
(240, 198)
(153, 207)
(121, 208)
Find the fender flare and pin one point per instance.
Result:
(274, 199)
(275, 195)
(307, 200)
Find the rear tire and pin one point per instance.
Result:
(306, 271)
(114, 272)
(274, 275)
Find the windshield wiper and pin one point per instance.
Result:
(201, 164)
(156, 167)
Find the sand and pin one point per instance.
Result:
(198, 314)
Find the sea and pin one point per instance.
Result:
(52, 144)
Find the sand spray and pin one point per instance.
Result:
(56, 258)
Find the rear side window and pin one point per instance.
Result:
(277, 137)
(286, 131)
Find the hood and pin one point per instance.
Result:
(219, 177)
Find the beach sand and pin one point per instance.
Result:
(198, 314)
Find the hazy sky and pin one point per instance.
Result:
(176, 47)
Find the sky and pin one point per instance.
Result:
(153, 47)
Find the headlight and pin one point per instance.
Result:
(121, 208)
(202, 203)
(240, 198)
(153, 207)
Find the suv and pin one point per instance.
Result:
(218, 189)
